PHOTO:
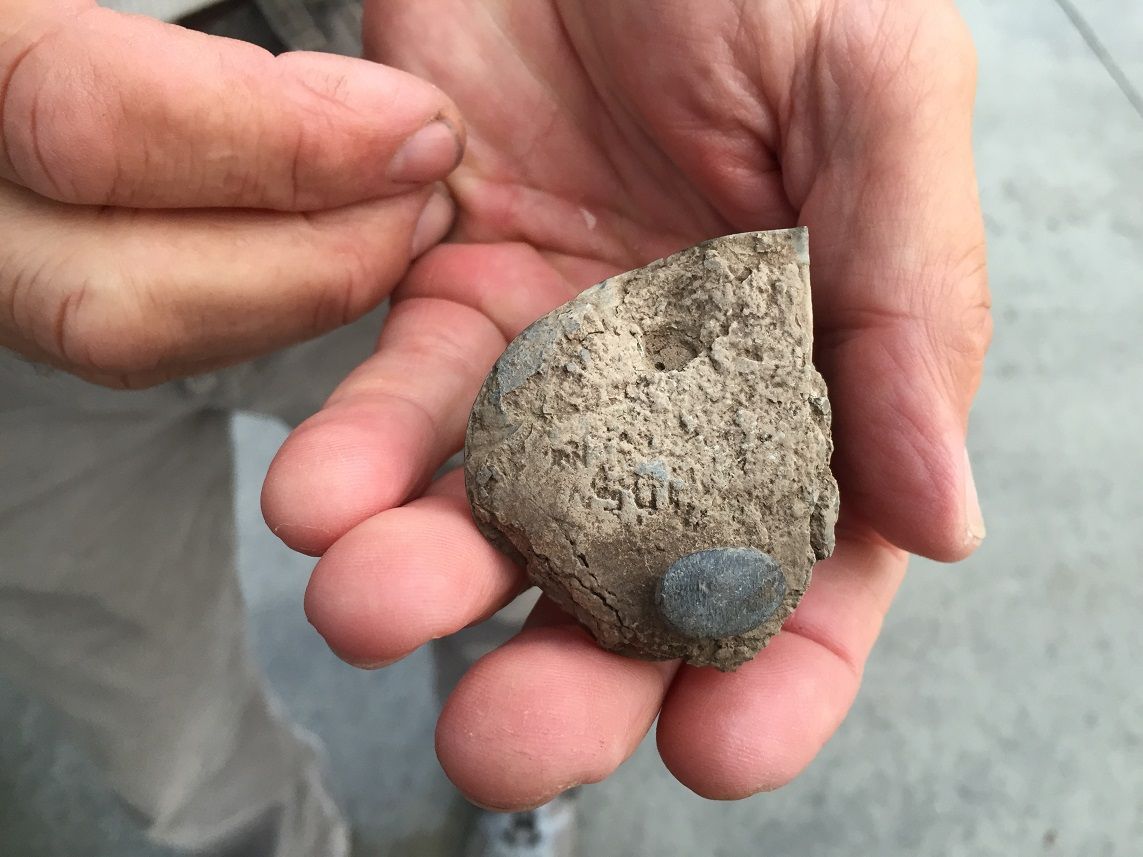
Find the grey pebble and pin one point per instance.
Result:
(720, 592)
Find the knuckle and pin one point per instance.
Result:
(312, 156)
(23, 287)
(21, 127)
(61, 306)
(949, 299)
(326, 136)
(978, 328)
(93, 328)
(967, 332)
(353, 286)
(55, 130)
(332, 306)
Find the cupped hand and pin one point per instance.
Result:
(171, 202)
(603, 136)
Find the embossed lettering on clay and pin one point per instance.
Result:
(656, 451)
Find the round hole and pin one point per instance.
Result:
(668, 350)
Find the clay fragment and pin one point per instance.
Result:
(656, 451)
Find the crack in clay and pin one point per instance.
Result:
(598, 590)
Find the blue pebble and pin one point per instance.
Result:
(720, 592)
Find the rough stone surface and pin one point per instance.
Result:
(656, 451)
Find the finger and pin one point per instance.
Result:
(145, 296)
(547, 711)
(109, 109)
(903, 311)
(388, 427)
(727, 736)
(408, 576)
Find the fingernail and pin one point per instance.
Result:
(360, 664)
(430, 154)
(374, 666)
(434, 223)
(974, 517)
(370, 665)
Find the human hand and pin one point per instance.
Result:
(171, 202)
(603, 136)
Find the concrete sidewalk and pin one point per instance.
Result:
(1002, 712)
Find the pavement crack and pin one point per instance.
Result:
(1102, 54)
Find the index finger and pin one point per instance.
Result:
(102, 108)
(393, 421)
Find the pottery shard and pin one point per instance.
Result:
(657, 451)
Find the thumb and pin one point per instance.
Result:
(102, 108)
(899, 269)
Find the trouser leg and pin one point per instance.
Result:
(119, 605)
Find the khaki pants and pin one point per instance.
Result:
(120, 605)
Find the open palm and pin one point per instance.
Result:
(602, 136)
